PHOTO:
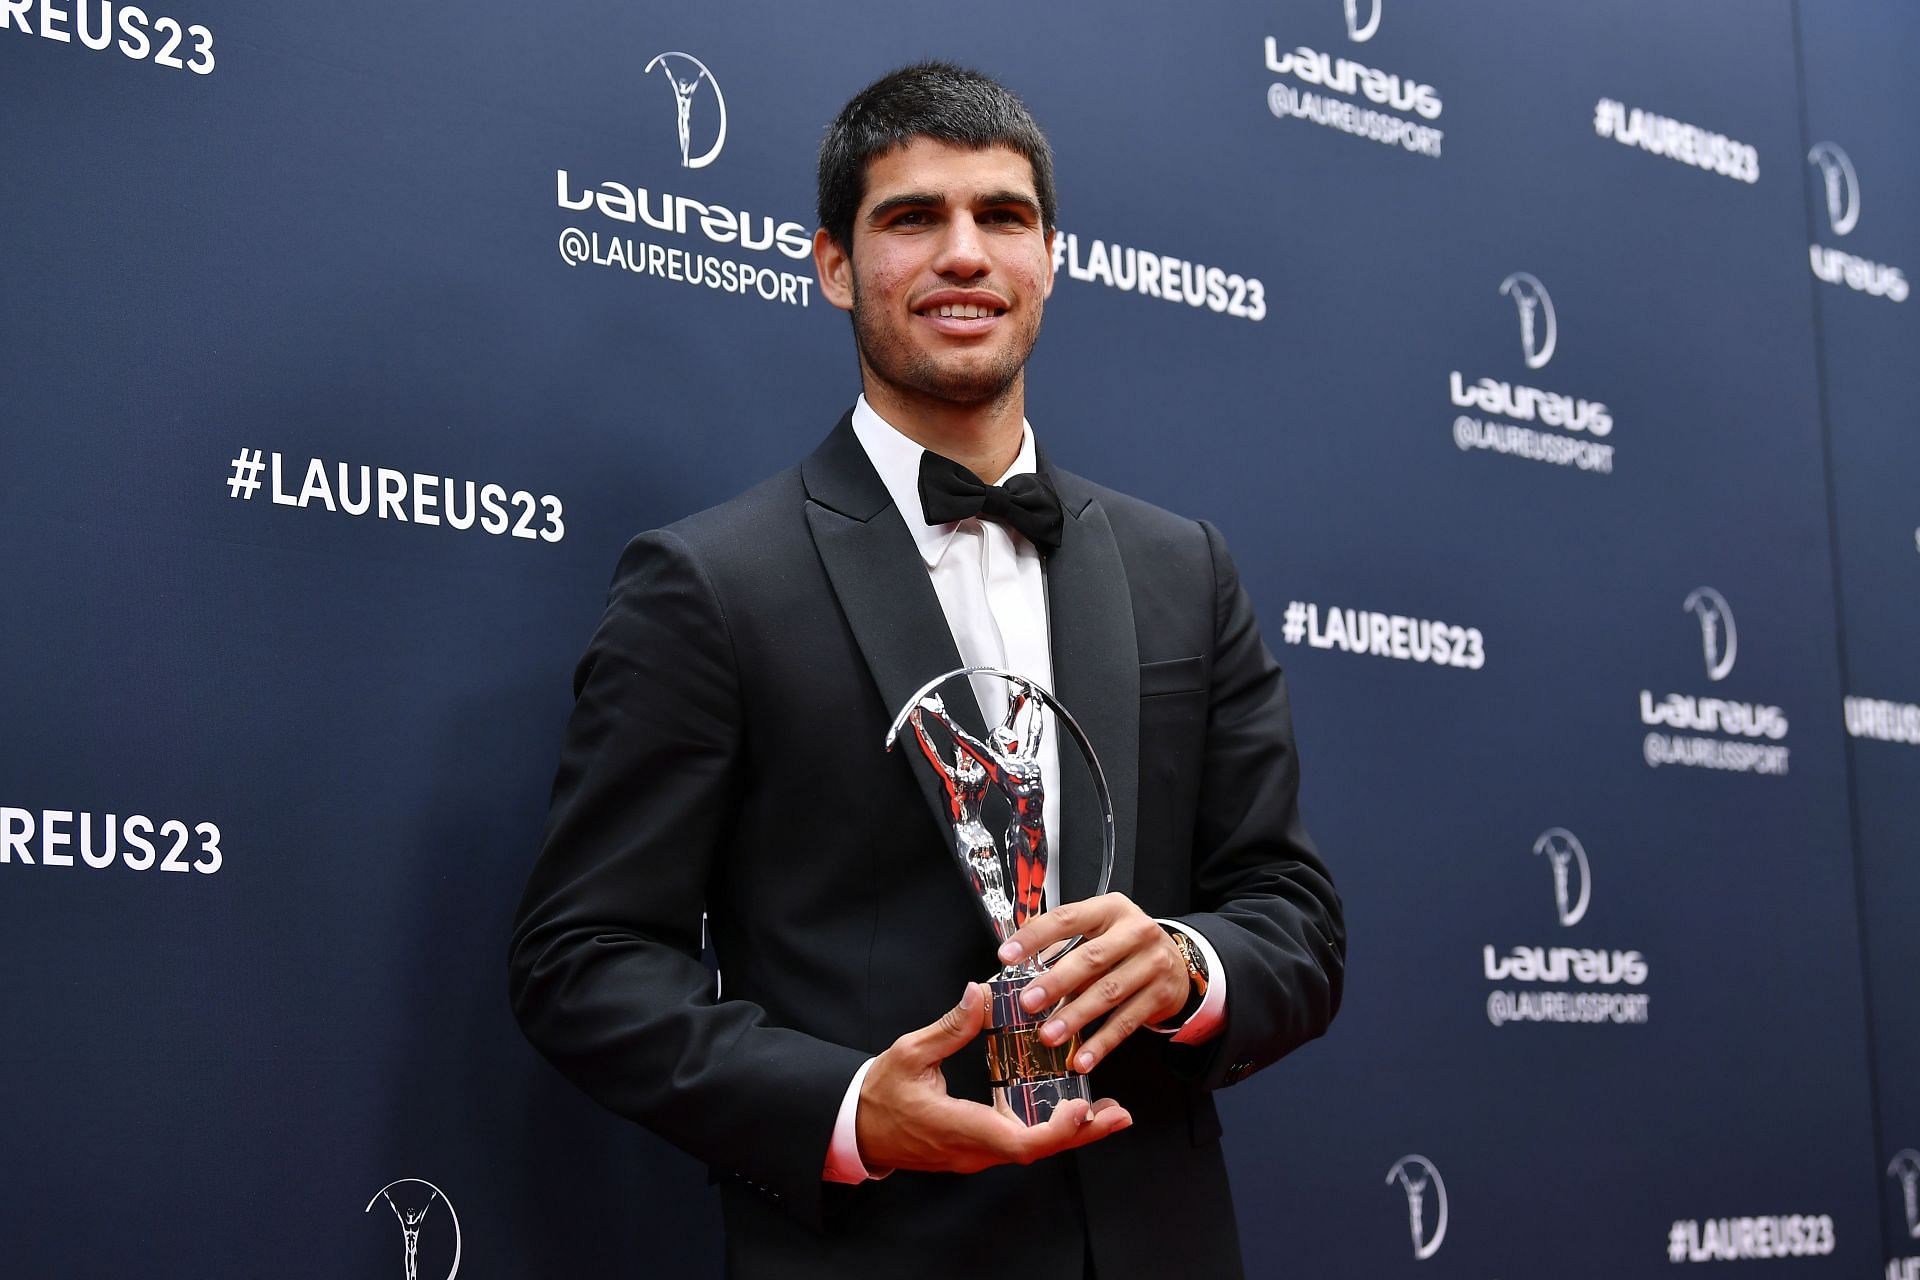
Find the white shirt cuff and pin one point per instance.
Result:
(843, 1152)
(1208, 1020)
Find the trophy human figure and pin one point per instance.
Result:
(1718, 641)
(1530, 297)
(1416, 1187)
(1010, 759)
(1528, 305)
(966, 779)
(1561, 858)
(410, 1230)
(1836, 197)
(683, 103)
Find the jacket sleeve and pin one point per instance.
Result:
(605, 971)
(1263, 896)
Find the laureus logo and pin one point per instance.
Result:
(685, 74)
(1539, 332)
(1416, 1176)
(1842, 186)
(410, 1209)
(1564, 852)
(1360, 32)
(1906, 1167)
(1719, 642)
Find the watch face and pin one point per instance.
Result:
(1196, 963)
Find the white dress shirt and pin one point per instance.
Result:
(992, 586)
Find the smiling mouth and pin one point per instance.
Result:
(963, 311)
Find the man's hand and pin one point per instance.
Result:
(1127, 968)
(907, 1119)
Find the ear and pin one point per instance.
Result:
(834, 269)
(1052, 235)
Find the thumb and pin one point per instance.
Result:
(952, 1030)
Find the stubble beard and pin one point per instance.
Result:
(914, 373)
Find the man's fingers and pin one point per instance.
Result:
(1120, 1024)
(948, 1033)
(1072, 1125)
(907, 1120)
(1059, 924)
(1062, 1126)
(1107, 1117)
(1106, 993)
(989, 1132)
(1157, 974)
(979, 1137)
(1085, 962)
(1120, 931)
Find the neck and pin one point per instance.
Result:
(984, 438)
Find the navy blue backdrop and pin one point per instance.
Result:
(1551, 369)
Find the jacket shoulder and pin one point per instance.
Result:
(746, 519)
(1140, 526)
(732, 547)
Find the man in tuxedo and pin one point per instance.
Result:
(725, 756)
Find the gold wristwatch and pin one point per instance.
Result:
(1196, 978)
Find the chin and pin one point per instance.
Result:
(971, 386)
(956, 377)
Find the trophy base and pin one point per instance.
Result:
(1030, 1078)
(1034, 1101)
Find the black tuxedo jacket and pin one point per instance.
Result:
(725, 754)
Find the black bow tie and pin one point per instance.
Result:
(1027, 503)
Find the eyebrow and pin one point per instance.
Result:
(932, 200)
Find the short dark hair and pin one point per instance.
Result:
(935, 100)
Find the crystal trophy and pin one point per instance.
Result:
(1008, 873)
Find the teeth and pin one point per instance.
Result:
(965, 311)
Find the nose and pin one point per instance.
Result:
(963, 250)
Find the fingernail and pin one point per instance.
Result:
(1125, 1122)
(1085, 1060)
(1009, 952)
(966, 997)
(1034, 997)
(1054, 1031)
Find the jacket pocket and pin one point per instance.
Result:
(1175, 675)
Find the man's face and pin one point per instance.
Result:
(949, 271)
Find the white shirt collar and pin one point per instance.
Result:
(897, 459)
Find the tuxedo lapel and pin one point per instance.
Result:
(888, 600)
(1096, 675)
